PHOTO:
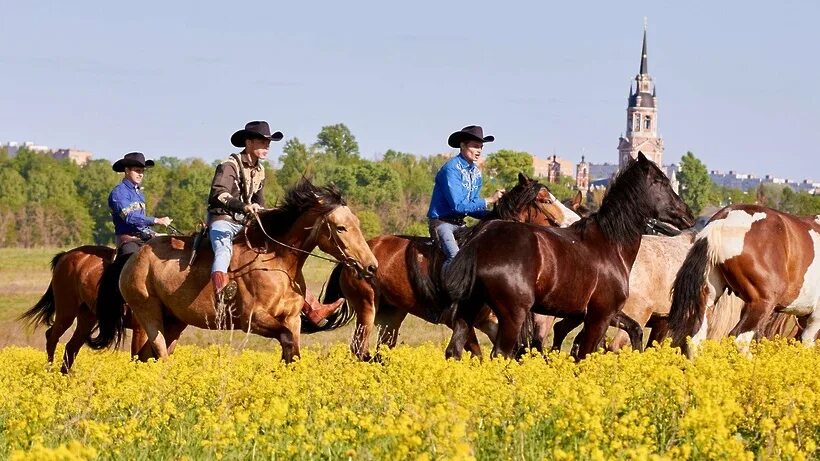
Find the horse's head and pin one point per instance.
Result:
(532, 202)
(338, 234)
(318, 216)
(666, 206)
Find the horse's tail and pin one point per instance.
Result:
(333, 291)
(459, 278)
(43, 312)
(421, 283)
(689, 293)
(110, 313)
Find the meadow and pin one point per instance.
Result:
(225, 396)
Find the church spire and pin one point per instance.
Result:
(644, 69)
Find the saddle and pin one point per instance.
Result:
(200, 236)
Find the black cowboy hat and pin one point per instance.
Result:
(132, 159)
(255, 129)
(468, 133)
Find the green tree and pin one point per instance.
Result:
(695, 183)
(339, 143)
(94, 184)
(502, 168)
(368, 184)
(297, 160)
(12, 188)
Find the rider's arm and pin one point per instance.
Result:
(225, 179)
(130, 208)
(458, 197)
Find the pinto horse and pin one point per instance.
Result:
(579, 271)
(766, 257)
(408, 265)
(72, 295)
(166, 295)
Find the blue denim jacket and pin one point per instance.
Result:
(456, 193)
(127, 204)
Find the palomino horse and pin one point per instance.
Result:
(166, 295)
(405, 283)
(766, 257)
(72, 295)
(582, 270)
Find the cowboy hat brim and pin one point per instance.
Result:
(238, 138)
(458, 137)
(120, 165)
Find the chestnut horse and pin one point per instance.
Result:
(166, 295)
(407, 266)
(579, 271)
(766, 257)
(72, 295)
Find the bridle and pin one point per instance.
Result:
(348, 261)
(656, 227)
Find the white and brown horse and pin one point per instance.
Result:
(766, 257)
(166, 294)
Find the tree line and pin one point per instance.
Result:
(53, 202)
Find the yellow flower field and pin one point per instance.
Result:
(216, 403)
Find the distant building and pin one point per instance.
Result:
(747, 182)
(582, 175)
(641, 119)
(543, 166)
(80, 157)
(13, 147)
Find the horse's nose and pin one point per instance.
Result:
(371, 269)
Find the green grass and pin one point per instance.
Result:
(25, 275)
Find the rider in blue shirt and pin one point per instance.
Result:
(457, 190)
(127, 203)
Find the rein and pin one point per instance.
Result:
(348, 261)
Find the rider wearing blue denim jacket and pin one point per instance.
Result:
(457, 190)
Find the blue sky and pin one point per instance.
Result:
(737, 81)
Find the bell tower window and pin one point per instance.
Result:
(637, 123)
(647, 122)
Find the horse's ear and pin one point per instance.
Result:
(523, 179)
(642, 158)
(577, 200)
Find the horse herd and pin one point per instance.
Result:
(529, 261)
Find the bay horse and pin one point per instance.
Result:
(166, 295)
(766, 257)
(408, 265)
(579, 271)
(72, 295)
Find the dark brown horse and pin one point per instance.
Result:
(72, 295)
(579, 271)
(405, 283)
(166, 294)
(766, 257)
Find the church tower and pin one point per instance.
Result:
(582, 176)
(641, 119)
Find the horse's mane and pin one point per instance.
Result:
(299, 199)
(626, 205)
(506, 208)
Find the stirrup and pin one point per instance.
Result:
(229, 292)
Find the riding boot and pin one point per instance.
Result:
(317, 312)
(224, 288)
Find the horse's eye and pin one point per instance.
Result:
(341, 229)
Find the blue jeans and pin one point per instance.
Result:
(442, 232)
(222, 234)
